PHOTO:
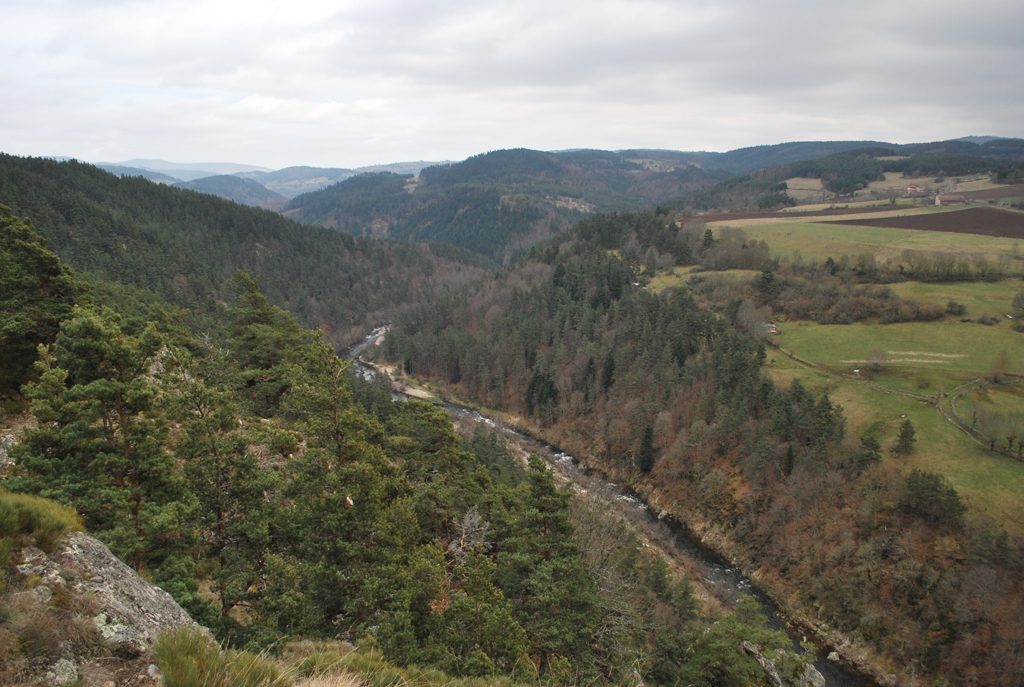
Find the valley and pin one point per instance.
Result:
(830, 404)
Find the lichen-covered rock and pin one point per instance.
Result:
(132, 611)
(812, 678)
(62, 672)
(7, 442)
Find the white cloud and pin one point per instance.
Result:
(362, 82)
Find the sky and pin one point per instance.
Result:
(350, 83)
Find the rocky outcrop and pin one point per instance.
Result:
(770, 672)
(132, 611)
(97, 617)
(7, 442)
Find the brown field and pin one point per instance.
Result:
(995, 193)
(983, 221)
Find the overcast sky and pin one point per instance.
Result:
(351, 83)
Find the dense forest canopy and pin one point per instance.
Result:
(276, 495)
(185, 247)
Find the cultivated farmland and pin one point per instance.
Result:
(982, 221)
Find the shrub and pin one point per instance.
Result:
(1018, 304)
(955, 308)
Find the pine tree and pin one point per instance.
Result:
(264, 341)
(541, 571)
(645, 458)
(789, 462)
(37, 292)
(99, 443)
(235, 493)
(931, 497)
(870, 450)
(608, 371)
(906, 441)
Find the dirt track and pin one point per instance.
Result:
(983, 221)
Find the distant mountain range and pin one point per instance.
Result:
(288, 182)
(502, 202)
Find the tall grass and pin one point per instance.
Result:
(45, 521)
(188, 658)
(369, 668)
(28, 519)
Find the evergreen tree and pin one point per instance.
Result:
(608, 371)
(231, 477)
(37, 292)
(932, 498)
(99, 443)
(645, 458)
(870, 451)
(709, 239)
(906, 441)
(790, 461)
(540, 570)
(264, 339)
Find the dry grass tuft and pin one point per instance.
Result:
(343, 679)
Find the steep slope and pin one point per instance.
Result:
(664, 396)
(277, 495)
(186, 246)
(70, 611)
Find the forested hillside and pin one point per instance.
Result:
(185, 247)
(242, 191)
(277, 496)
(500, 203)
(663, 395)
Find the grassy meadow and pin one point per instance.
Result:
(992, 484)
(818, 238)
(980, 298)
(921, 358)
(947, 348)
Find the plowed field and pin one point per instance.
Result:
(994, 193)
(983, 221)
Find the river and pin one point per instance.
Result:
(724, 580)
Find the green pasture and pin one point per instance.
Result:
(1003, 398)
(948, 349)
(991, 484)
(980, 298)
(819, 240)
(677, 276)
